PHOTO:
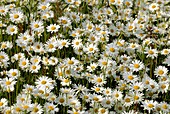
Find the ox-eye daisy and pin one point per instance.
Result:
(136, 65)
(53, 28)
(161, 71)
(12, 29)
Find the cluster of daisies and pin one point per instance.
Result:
(84, 56)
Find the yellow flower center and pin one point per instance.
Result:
(63, 43)
(163, 86)
(136, 65)
(102, 110)
(12, 29)
(112, 1)
(136, 87)
(1, 103)
(112, 49)
(50, 46)
(8, 82)
(160, 72)
(127, 3)
(16, 16)
(51, 107)
(77, 43)
(53, 28)
(61, 100)
(43, 82)
(35, 109)
(108, 102)
(153, 6)
(18, 109)
(64, 21)
(75, 113)
(23, 63)
(86, 97)
(127, 100)
(2, 11)
(151, 52)
(91, 49)
(130, 77)
(36, 25)
(104, 63)
(3, 46)
(116, 95)
(96, 99)
(14, 73)
(99, 80)
(43, 7)
(97, 89)
(25, 106)
(34, 67)
(150, 105)
(70, 62)
(89, 27)
(66, 81)
(164, 106)
(136, 97)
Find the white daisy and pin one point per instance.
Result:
(12, 29)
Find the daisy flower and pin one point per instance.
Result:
(3, 103)
(38, 47)
(65, 82)
(64, 21)
(12, 29)
(127, 101)
(44, 81)
(8, 84)
(13, 73)
(137, 97)
(44, 6)
(130, 77)
(165, 52)
(53, 28)
(37, 26)
(97, 89)
(111, 49)
(3, 10)
(51, 108)
(153, 53)
(165, 107)
(99, 80)
(163, 87)
(50, 46)
(36, 109)
(153, 7)
(35, 59)
(161, 71)
(70, 1)
(5, 45)
(77, 43)
(63, 43)
(92, 67)
(34, 68)
(103, 111)
(16, 16)
(149, 105)
(136, 65)
(61, 100)
(137, 86)
(71, 62)
(107, 102)
(90, 48)
(117, 95)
